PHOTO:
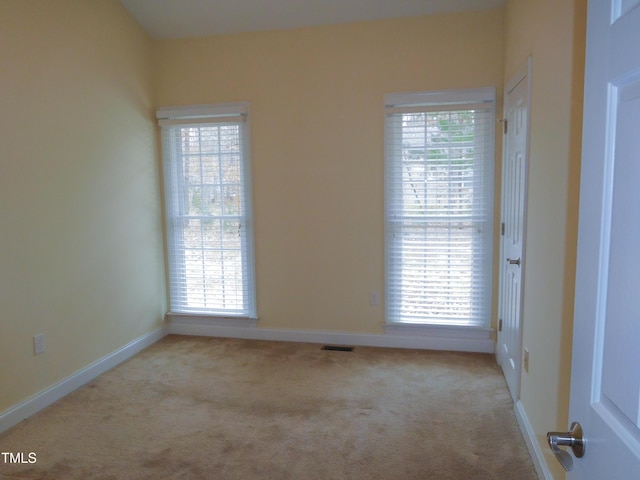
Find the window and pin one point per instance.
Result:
(439, 153)
(208, 209)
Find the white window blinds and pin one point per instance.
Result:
(439, 155)
(208, 209)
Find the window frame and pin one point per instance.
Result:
(397, 105)
(171, 119)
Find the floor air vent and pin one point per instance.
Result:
(337, 348)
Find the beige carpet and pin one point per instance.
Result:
(204, 408)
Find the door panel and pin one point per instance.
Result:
(605, 386)
(514, 174)
(623, 7)
(621, 384)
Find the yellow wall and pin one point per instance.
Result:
(81, 256)
(552, 32)
(317, 123)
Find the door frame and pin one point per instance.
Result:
(524, 71)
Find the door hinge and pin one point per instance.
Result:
(500, 325)
(502, 229)
(504, 125)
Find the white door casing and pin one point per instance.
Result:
(514, 194)
(605, 381)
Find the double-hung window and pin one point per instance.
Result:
(208, 209)
(439, 156)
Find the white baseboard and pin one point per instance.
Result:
(532, 444)
(37, 402)
(211, 327)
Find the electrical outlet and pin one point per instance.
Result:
(38, 344)
(374, 298)
(526, 360)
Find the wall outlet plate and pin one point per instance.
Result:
(38, 344)
(374, 298)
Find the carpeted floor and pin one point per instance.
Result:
(206, 408)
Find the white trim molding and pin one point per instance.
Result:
(208, 319)
(434, 338)
(37, 402)
(537, 457)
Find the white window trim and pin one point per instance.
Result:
(196, 115)
(192, 112)
(440, 331)
(395, 103)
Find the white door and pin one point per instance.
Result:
(514, 191)
(605, 382)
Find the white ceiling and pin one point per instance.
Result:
(198, 18)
